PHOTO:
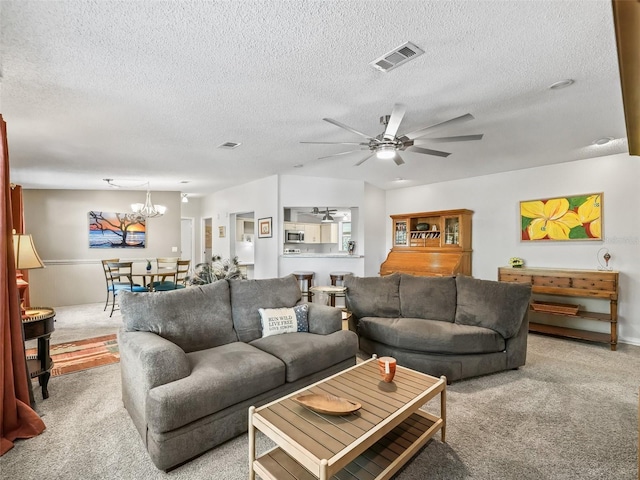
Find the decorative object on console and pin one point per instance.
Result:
(351, 247)
(116, 230)
(516, 262)
(264, 227)
(26, 258)
(148, 265)
(576, 217)
(606, 256)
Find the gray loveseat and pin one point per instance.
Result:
(454, 326)
(194, 360)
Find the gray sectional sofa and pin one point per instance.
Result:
(194, 360)
(455, 326)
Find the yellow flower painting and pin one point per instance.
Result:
(577, 217)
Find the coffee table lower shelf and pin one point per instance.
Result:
(380, 462)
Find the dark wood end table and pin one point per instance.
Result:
(37, 323)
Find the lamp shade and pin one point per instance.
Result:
(25, 253)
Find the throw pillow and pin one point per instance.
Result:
(276, 321)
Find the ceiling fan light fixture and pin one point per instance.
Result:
(386, 153)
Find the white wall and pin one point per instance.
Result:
(297, 191)
(495, 201)
(58, 221)
(375, 224)
(260, 197)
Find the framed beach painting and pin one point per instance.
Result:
(575, 217)
(116, 230)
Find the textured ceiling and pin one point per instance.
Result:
(147, 90)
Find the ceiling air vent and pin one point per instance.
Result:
(229, 145)
(396, 57)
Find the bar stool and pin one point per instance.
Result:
(305, 279)
(335, 278)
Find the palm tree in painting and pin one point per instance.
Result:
(119, 224)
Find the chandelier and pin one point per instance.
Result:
(147, 209)
(141, 211)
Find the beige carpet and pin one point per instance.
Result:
(570, 413)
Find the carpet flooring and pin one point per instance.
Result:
(569, 413)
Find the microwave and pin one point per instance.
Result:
(293, 236)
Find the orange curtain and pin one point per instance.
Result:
(18, 418)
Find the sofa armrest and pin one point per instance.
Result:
(150, 359)
(516, 346)
(324, 319)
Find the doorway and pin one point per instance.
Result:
(207, 240)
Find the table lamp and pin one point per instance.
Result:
(26, 259)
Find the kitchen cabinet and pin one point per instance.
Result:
(311, 233)
(594, 284)
(296, 227)
(329, 233)
(430, 243)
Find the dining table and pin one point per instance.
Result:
(149, 276)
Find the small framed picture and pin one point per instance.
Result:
(264, 227)
(221, 232)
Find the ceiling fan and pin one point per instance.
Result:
(390, 142)
(326, 212)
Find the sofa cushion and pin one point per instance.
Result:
(499, 306)
(373, 296)
(247, 296)
(220, 377)
(431, 336)
(428, 297)
(276, 321)
(193, 318)
(307, 353)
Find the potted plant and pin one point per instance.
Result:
(218, 269)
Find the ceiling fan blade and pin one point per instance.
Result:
(364, 160)
(397, 114)
(352, 130)
(459, 138)
(338, 143)
(398, 159)
(418, 133)
(338, 154)
(428, 151)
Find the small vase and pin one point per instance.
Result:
(387, 366)
(148, 265)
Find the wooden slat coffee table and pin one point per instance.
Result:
(370, 444)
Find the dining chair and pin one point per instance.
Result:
(120, 278)
(107, 277)
(168, 281)
(182, 270)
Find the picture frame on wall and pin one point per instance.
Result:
(573, 217)
(265, 227)
(116, 230)
(221, 232)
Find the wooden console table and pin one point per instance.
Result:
(595, 284)
(38, 324)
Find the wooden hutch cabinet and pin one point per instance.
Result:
(430, 244)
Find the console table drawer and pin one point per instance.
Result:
(545, 281)
(594, 284)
